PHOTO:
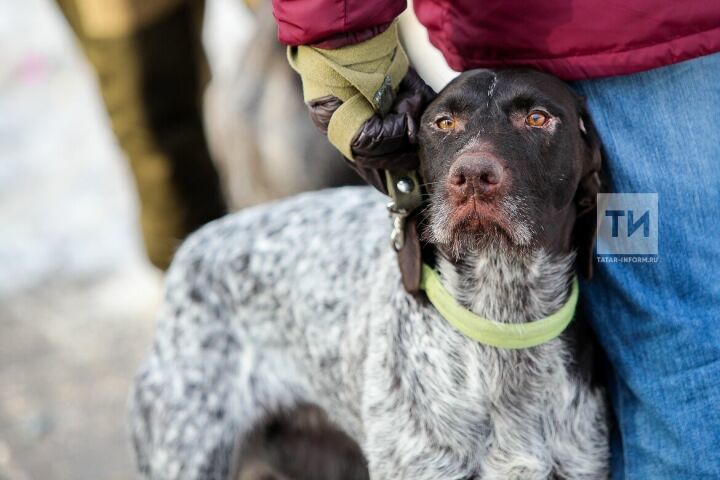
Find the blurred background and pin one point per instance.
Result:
(124, 126)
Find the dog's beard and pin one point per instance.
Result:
(458, 238)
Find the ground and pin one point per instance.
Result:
(67, 356)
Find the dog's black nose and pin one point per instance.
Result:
(476, 175)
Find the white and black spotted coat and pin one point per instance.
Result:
(301, 301)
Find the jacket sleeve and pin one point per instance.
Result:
(333, 23)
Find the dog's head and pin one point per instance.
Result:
(509, 158)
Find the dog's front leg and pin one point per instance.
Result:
(404, 458)
(399, 447)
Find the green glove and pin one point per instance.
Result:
(364, 77)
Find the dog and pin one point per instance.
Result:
(298, 307)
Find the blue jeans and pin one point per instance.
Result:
(659, 323)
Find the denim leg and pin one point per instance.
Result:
(659, 323)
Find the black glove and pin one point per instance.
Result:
(388, 142)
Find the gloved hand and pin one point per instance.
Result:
(378, 140)
(383, 142)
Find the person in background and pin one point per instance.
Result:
(649, 70)
(152, 73)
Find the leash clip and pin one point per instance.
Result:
(398, 216)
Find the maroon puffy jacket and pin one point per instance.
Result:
(573, 39)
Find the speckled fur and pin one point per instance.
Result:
(301, 302)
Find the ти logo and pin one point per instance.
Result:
(631, 224)
(627, 226)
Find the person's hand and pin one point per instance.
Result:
(383, 142)
(367, 100)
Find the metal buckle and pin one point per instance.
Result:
(398, 216)
(384, 96)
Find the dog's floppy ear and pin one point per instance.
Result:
(591, 183)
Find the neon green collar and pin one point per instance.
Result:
(489, 332)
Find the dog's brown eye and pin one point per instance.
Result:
(445, 123)
(536, 118)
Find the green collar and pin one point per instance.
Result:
(489, 332)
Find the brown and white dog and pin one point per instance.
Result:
(288, 342)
